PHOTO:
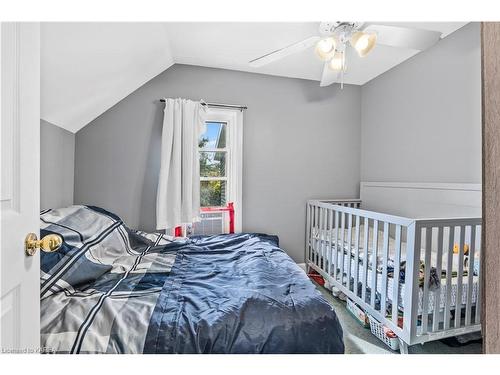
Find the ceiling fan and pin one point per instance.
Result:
(335, 37)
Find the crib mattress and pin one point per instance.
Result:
(325, 237)
(435, 296)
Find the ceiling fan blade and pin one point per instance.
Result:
(404, 37)
(283, 52)
(328, 76)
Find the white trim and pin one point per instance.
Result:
(424, 185)
(205, 149)
(213, 178)
(234, 163)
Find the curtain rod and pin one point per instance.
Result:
(220, 105)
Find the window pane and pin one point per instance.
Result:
(214, 136)
(213, 193)
(213, 164)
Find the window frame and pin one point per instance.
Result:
(233, 118)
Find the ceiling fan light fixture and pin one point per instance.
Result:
(337, 63)
(325, 48)
(363, 42)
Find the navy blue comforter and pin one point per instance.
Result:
(147, 293)
(241, 294)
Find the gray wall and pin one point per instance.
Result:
(300, 141)
(57, 160)
(421, 121)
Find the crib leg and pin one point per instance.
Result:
(403, 347)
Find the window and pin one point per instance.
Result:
(220, 154)
(213, 172)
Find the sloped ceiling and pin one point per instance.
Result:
(86, 68)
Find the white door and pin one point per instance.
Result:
(19, 185)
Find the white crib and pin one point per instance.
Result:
(438, 289)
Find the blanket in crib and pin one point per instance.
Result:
(320, 242)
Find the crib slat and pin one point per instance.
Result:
(324, 267)
(470, 275)
(318, 247)
(336, 246)
(460, 275)
(313, 234)
(356, 257)
(314, 225)
(427, 273)
(449, 265)
(365, 259)
(411, 287)
(349, 252)
(395, 276)
(477, 318)
(308, 232)
(374, 264)
(385, 256)
(330, 241)
(315, 240)
(327, 241)
(311, 231)
(321, 237)
(342, 243)
(437, 292)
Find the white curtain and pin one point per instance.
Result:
(178, 196)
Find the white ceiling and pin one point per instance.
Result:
(86, 68)
(232, 45)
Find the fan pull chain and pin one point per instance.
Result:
(342, 71)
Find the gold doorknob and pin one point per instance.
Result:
(49, 243)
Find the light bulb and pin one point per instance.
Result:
(363, 42)
(325, 48)
(337, 62)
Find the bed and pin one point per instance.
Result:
(110, 289)
(418, 277)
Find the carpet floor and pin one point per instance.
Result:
(359, 340)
